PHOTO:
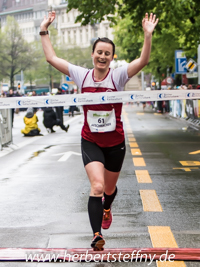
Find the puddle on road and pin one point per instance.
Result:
(37, 153)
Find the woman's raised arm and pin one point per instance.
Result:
(148, 25)
(58, 63)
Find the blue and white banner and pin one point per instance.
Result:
(97, 98)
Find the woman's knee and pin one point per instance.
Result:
(97, 189)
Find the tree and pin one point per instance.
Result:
(178, 26)
(15, 54)
(79, 56)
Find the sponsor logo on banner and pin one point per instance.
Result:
(2, 104)
(140, 96)
(132, 97)
(161, 96)
(103, 98)
(53, 101)
(26, 103)
(193, 95)
(169, 96)
(114, 98)
(76, 100)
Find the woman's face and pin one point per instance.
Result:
(102, 55)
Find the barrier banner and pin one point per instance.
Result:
(192, 109)
(97, 98)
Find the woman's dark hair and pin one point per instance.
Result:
(105, 40)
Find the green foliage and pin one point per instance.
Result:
(79, 56)
(93, 11)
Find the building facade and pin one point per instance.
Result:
(30, 13)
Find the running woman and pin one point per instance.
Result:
(102, 143)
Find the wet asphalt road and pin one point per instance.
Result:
(44, 188)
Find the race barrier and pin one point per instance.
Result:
(187, 108)
(97, 98)
(5, 127)
(107, 255)
(179, 99)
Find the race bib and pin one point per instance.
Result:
(101, 121)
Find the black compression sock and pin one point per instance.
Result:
(109, 199)
(95, 211)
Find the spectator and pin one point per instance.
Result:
(49, 119)
(30, 120)
(183, 87)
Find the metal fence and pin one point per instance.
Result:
(5, 127)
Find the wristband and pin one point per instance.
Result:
(44, 32)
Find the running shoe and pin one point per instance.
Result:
(66, 128)
(107, 219)
(98, 242)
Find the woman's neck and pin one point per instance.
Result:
(100, 75)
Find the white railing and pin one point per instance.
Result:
(5, 127)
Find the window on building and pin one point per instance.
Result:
(106, 32)
(63, 17)
(69, 37)
(74, 37)
(63, 37)
(86, 35)
(81, 36)
(96, 32)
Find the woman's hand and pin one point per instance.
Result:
(150, 23)
(47, 21)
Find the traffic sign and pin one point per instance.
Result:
(65, 86)
(180, 62)
(69, 80)
(191, 65)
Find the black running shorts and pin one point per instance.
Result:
(111, 157)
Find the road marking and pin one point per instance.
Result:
(129, 131)
(190, 163)
(136, 152)
(131, 139)
(186, 169)
(157, 114)
(133, 144)
(143, 176)
(162, 237)
(150, 201)
(194, 152)
(140, 113)
(139, 162)
(130, 135)
(66, 155)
